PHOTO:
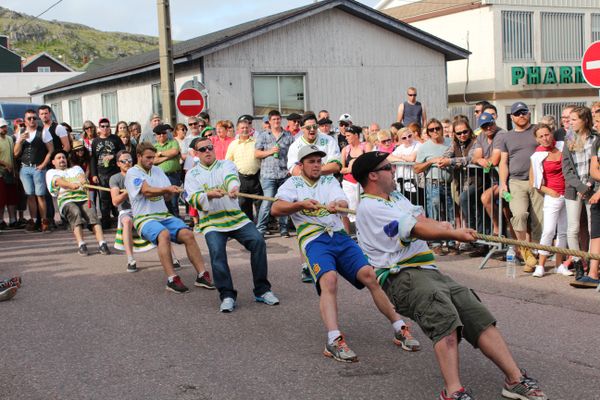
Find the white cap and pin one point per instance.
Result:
(3, 122)
(345, 118)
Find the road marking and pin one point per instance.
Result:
(198, 102)
(592, 65)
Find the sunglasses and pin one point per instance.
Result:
(412, 95)
(521, 113)
(406, 137)
(386, 141)
(87, 127)
(462, 132)
(203, 149)
(386, 167)
(310, 127)
(193, 124)
(104, 126)
(344, 124)
(435, 129)
(30, 118)
(160, 133)
(487, 126)
(126, 161)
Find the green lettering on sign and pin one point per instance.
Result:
(534, 75)
(579, 75)
(566, 75)
(517, 73)
(549, 76)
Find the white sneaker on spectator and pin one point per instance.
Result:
(539, 271)
(563, 270)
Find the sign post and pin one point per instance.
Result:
(590, 64)
(190, 102)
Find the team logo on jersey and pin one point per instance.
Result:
(321, 212)
(138, 181)
(316, 268)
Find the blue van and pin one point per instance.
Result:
(12, 111)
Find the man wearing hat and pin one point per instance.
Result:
(167, 158)
(148, 136)
(392, 233)
(9, 196)
(211, 187)
(312, 200)
(293, 124)
(103, 165)
(516, 147)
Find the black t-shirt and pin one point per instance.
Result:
(101, 148)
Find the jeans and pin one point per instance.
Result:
(573, 218)
(106, 205)
(269, 187)
(555, 220)
(472, 209)
(33, 180)
(439, 202)
(173, 204)
(253, 241)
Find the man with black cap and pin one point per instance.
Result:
(167, 158)
(293, 124)
(392, 234)
(212, 187)
(313, 200)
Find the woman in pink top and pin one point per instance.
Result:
(221, 141)
(545, 174)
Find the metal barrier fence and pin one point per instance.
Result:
(464, 196)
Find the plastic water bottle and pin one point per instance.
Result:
(511, 262)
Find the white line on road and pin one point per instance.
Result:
(193, 102)
(592, 65)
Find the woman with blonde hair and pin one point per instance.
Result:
(384, 141)
(125, 136)
(89, 134)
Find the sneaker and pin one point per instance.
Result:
(8, 293)
(528, 268)
(586, 282)
(268, 298)
(285, 234)
(340, 351)
(45, 226)
(305, 274)
(30, 226)
(439, 251)
(83, 250)
(462, 394)
(132, 266)
(405, 339)
(526, 389)
(176, 286)
(176, 264)
(480, 251)
(564, 270)
(539, 271)
(104, 249)
(579, 271)
(227, 305)
(3, 225)
(204, 281)
(11, 282)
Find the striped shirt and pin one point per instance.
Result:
(64, 196)
(144, 208)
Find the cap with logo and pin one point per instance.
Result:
(485, 119)
(103, 119)
(366, 163)
(519, 106)
(310, 150)
(345, 118)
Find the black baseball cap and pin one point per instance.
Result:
(162, 128)
(366, 163)
(196, 140)
(294, 117)
(324, 121)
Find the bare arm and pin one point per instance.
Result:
(424, 166)
(282, 208)
(117, 196)
(400, 112)
(66, 144)
(424, 115)
(150, 191)
(264, 153)
(503, 171)
(427, 229)
(332, 167)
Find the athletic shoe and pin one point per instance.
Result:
(579, 271)
(8, 293)
(340, 351)
(30, 226)
(176, 264)
(204, 281)
(285, 234)
(132, 266)
(13, 225)
(268, 298)
(45, 226)
(462, 394)
(539, 271)
(305, 274)
(3, 225)
(104, 249)
(439, 251)
(227, 305)
(11, 282)
(83, 250)
(564, 270)
(526, 389)
(176, 286)
(405, 339)
(586, 282)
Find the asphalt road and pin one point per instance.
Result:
(84, 328)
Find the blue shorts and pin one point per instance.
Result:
(335, 253)
(152, 229)
(34, 181)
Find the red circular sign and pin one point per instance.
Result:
(590, 64)
(190, 102)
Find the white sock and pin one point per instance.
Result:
(130, 259)
(398, 325)
(170, 279)
(100, 243)
(81, 243)
(201, 274)
(332, 335)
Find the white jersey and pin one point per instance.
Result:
(325, 143)
(65, 196)
(311, 224)
(384, 234)
(146, 208)
(221, 215)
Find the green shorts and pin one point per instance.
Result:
(438, 304)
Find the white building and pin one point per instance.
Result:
(528, 50)
(16, 86)
(337, 54)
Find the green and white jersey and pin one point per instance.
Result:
(64, 196)
(384, 234)
(146, 208)
(323, 142)
(311, 224)
(221, 215)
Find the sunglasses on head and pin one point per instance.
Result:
(386, 167)
(406, 137)
(435, 129)
(521, 113)
(310, 127)
(203, 149)
(462, 132)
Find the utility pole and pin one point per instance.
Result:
(167, 73)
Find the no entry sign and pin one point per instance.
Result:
(590, 64)
(190, 102)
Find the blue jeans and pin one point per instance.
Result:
(33, 180)
(440, 206)
(253, 241)
(269, 187)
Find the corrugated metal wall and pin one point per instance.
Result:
(562, 36)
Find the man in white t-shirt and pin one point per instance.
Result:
(392, 234)
(329, 250)
(66, 184)
(147, 185)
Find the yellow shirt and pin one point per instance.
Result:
(242, 155)
(6, 151)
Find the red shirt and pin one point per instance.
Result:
(553, 176)
(221, 146)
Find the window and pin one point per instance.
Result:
(284, 93)
(75, 114)
(43, 69)
(595, 27)
(57, 108)
(110, 107)
(517, 36)
(562, 36)
(555, 109)
(156, 100)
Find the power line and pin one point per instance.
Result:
(42, 13)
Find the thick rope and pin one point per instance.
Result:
(265, 198)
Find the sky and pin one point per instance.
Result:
(189, 18)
